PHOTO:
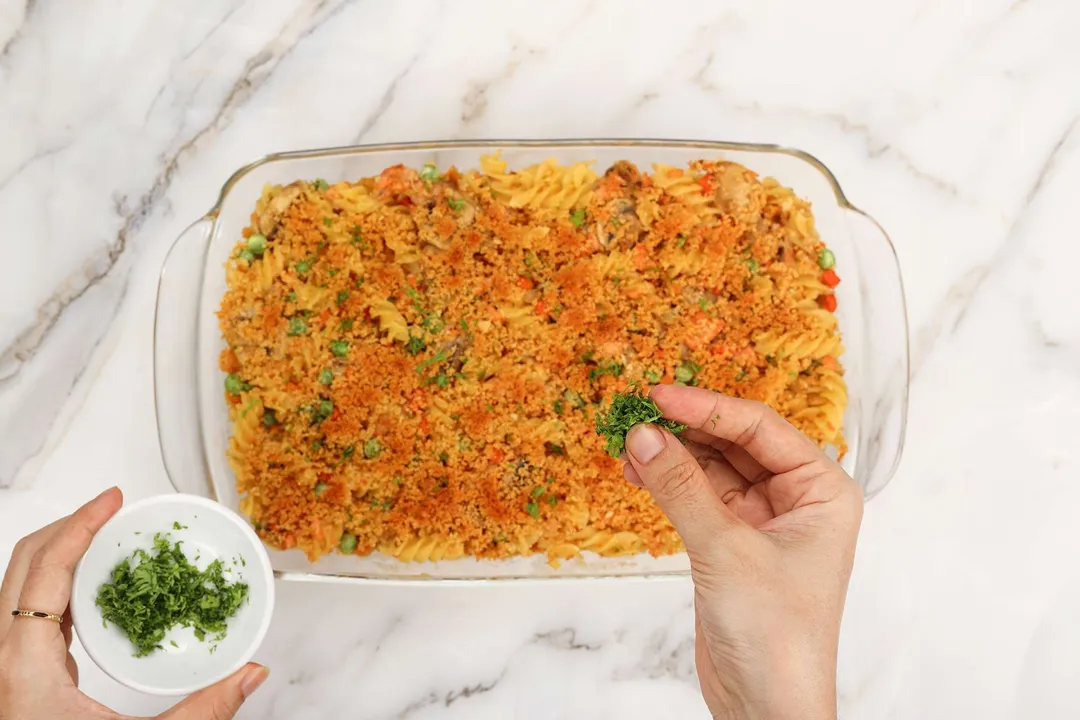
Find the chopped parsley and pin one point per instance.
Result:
(628, 409)
(342, 296)
(415, 346)
(304, 266)
(611, 368)
(533, 508)
(269, 419)
(149, 593)
(321, 185)
(456, 204)
(577, 217)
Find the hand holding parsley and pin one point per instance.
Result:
(38, 676)
(769, 523)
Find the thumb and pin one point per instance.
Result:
(222, 700)
(679, 486)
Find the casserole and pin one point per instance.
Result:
(192, 418)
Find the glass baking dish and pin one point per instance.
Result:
(193, 425)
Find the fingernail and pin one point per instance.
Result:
(253, 679)
(644, 442)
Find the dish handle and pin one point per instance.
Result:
(176, 393)
(884, 381)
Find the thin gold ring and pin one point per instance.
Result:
(37, 614)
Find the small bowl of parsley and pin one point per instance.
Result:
(174, 594)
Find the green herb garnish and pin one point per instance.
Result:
(321, 185)
(150, 593)
(577, 217)
(456, 204)
(628, 409)
(611, 368)
(415, 346)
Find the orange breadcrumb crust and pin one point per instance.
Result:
(485, 436)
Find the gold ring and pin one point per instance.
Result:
(36, 614)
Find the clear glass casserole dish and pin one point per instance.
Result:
(193, 423)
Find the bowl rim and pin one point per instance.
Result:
(265, 576)
(211, 217)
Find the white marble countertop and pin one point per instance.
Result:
(956, 124)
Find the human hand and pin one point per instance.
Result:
(38, 676)
(770, 524)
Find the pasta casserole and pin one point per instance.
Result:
(414, 360)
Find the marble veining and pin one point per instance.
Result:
(954, 124)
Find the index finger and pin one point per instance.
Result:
(770, 440)
(17, 568)
(48, 581)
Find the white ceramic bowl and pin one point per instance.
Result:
(212, 532)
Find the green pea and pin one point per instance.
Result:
(347, 544)
(429, 172)
(825, 259)
(372, 448)
(684, 374)
(246, 254)
(340, 348)
(297, 326)
(257, 244)
(326, 376)
(234, 385)
(320, 488)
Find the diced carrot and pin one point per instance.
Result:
(247, 232)
(828, 302)
(830, 278)
(717, 349)
(425, 426)
(324, 316)
(525, 283)
(541, 308)
(497, 455)
(828, 362)
(706, 184)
